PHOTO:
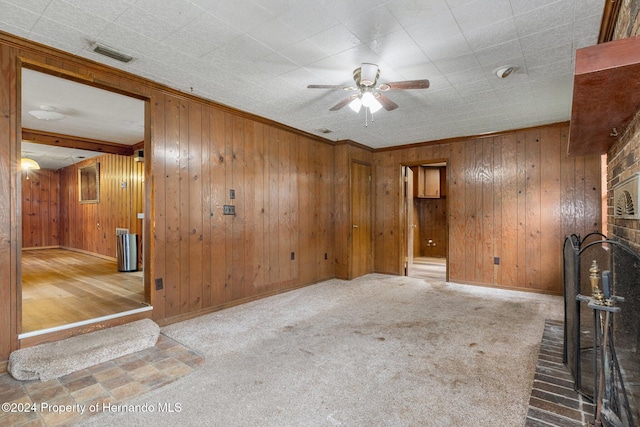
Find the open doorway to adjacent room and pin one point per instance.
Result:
(86, 192)
(426, 221)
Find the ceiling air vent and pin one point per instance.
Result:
(625, 198)
(112, 53)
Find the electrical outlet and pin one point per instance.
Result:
(496, 260)
(159, 284)
(293, 256)
(232, 194)
(325, 256)
(229, 210)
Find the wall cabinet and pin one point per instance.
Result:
(427, 183)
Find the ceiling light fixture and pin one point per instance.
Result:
(505, 71)
(367, 100)
(27, 163)
(46, 112)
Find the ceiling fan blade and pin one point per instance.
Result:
(331, 87)
(386, 102)
(407, 84)
(342, 103)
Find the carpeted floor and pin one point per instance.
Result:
(378, 350)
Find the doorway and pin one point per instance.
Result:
(426, 221)
(90, 182)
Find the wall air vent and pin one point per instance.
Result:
(626, 198)
(111, 53)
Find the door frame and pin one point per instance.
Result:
(17, 211)
(404, 211)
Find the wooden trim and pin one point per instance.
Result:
(68, 141)
(4, 365)
(353, 144)
(465, 138)
(38, 248)
(190, 315)
(71, 332)
(105, 257)
(609, 20)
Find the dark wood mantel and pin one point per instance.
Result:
(606, 95)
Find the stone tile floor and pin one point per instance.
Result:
(74, 397)
(553, 400)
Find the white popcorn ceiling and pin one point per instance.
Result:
(258, 56)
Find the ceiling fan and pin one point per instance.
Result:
(367, 94)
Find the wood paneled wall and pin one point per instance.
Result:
(40, 208)
(512, 197)
(91, 227)
(284, 202)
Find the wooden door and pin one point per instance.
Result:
(361, 221)
(409, 218)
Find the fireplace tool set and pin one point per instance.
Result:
(609, 402)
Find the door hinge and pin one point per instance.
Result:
(406, 178)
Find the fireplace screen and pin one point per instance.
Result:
(602, 350)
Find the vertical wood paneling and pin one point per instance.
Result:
(274, 208)
(296, 233)
(521, 209)
(284, 224)
(248, 197)
(40, 208)
(173, 163)
(238, 222)
(195, 208)
(533, 208)
(341, 218)
(487, 209)
(183, 291)
(259, 171)
(470, 213)
(158, 211)
(513, 197)
(509, 230)
(207, 210)
(552, 236)
(91, 227)
(498, 180)
(457, 242)
(217, 174)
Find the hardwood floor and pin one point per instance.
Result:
(61, 287)
(429, 269)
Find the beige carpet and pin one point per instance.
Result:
(378, 350)
(56, 359)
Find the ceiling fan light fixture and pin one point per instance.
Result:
(369, 101)
(356, 104)
(46, 112)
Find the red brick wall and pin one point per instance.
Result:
(623, 160)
